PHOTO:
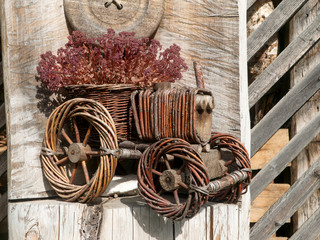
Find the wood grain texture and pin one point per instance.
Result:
(270, 149)
(28, 29)
(123, 218)
(208, 32)
(284, 11)
(285, 108)
(287, 58)
(310, 154)
(266, 199)
(3, 206)
(310, 228)
(284, 157)
(286, 206)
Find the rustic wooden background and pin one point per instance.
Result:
(211, 32)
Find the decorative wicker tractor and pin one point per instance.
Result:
(168, 129)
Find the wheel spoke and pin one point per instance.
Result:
(93, 153)
(65, 135)
(76, 130)
(85, 171)
(176, 197)
(73, 174)
(182, 184)
(63, 160)
(166, 161)
(181, 169)
(86, 138)
(156, 172)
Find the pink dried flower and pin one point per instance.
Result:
(110, 58)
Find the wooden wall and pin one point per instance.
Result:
(209, 31)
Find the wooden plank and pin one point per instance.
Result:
(284, 11)
(210, 35)
(287, 58)
(309, 155)
(208, 32)
(194, 228)
(3, 206)
(286, 206)
(141, 222)
(160, 228)
(284, 157)
(233, 222)
(310, 229)
(69, 230)
(219, 223)
(285, 108)
(270, 149)
(3, 163)
(28, 30)
(266, 199)
(33, 221)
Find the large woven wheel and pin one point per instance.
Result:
(241, 161)
(75, 163)
(166, 171)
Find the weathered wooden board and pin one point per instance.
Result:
(310, 229)
(300, 22)
(287, 58)
(123, 218)
(29, 28)
(288, 204)
(206, 31)
(210, 32)
(284, 157)
(270, 149)
(266, 199)
(285, 108)
(285, 10)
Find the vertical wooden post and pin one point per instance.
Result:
(311, 153)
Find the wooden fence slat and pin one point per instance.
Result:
(284, 157)
(310, 229)
(284, 11)
(285, 108)
(3, 206)
(3, 163)
(288, 58)
(250, 3)
(288, 204)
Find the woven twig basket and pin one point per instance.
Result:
(116, 98)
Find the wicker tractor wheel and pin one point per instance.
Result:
(79, 167)
(166, 171)
(241, 160)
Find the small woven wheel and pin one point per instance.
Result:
(75, 170)
(241, 161)
(166, 171)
